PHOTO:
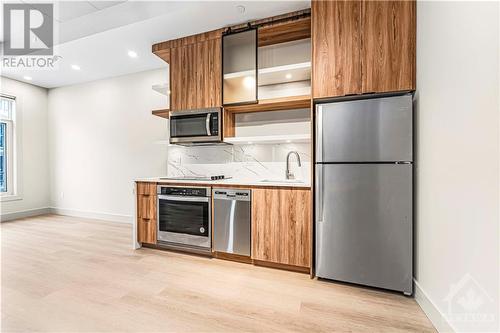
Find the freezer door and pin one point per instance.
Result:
(370, 130)
(364, 224)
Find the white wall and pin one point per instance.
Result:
(102, 136)
(457, 222)
(33, 174)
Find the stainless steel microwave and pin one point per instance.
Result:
(196, 126)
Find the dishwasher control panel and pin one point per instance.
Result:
(230, 194)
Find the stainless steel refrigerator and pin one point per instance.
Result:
(363, 192)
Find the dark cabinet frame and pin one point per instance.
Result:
(229, 32)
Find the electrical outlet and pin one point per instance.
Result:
(62, 195)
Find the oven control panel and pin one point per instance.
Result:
(185, 191)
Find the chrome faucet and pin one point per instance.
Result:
(289, 174)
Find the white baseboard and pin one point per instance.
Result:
(92, 215)
(24, 213)
(431, 310)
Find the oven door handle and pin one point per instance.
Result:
(179, 198)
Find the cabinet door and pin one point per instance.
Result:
(240, 67)
(195, 75)
(281, 226)
(389, 38)
(208, 74)
(336, 47)
(182, 77)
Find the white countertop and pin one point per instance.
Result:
(231, 181)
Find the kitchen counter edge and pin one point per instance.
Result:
(222, 183)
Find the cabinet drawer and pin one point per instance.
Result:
(146, 206)
(146, 230)
(146, 188)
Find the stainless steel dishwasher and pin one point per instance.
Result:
(232, 221)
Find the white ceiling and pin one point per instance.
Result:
(96, 35)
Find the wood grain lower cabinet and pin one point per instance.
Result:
(146, 213)
(281, 226)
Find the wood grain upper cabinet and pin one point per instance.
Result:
(363, 47)
(281, 226)
(195, 74)
(389, 44)
(336, 48)
(146, 213)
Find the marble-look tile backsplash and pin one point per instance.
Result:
(242, 162)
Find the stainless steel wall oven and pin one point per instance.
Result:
(184, 217)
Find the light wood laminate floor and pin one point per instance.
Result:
(65, 274)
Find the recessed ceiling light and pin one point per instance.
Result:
(75, 67)
(28, 78)
(132, 54)
(288, 76)
(250, 142)
(288, 141)
(241, 9)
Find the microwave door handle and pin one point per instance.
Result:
(207, 124)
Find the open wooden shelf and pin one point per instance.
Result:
(161, 88)
(265, 105)
(275, 104)
(276, 74)
(164, 113)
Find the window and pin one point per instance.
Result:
(7, 145)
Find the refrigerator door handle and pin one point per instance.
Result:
(319, 186)
(319, 134)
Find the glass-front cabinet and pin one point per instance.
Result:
(239, 65)
(259, 64)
